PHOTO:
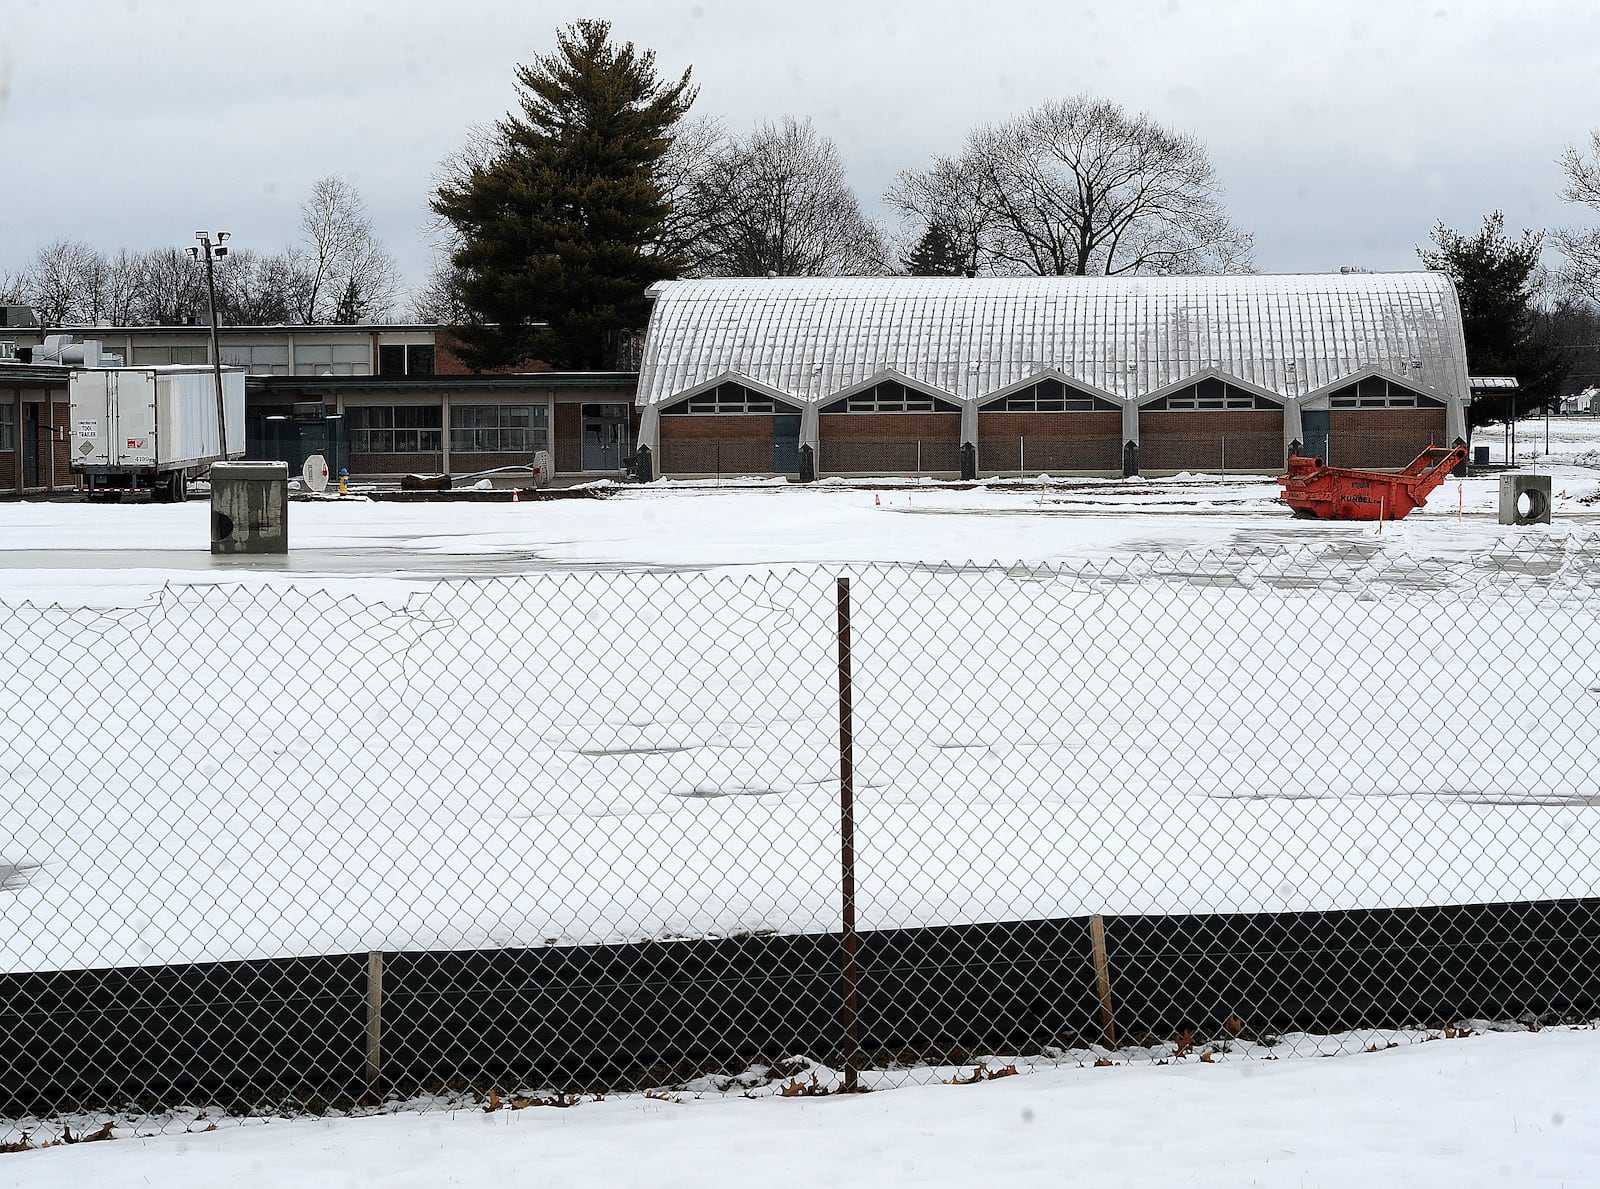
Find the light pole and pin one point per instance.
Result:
(214, 251)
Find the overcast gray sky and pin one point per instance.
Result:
(1341, 131)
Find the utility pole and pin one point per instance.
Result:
(214, 251)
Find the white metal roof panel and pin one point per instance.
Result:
(812, 337)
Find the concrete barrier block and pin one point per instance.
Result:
(1524, 499)
(250, 507)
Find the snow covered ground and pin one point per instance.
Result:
(114, 554)
(469, 726)
(1496, 1109)
(1197, 704)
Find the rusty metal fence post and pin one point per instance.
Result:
(847, 849)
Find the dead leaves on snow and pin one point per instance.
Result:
(795, 1088)
(26, 1144)
(1446, 1032)
(521, 1102)
(982, 1073)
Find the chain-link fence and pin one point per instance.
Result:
(277, 848)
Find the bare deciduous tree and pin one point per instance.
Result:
(255, 289)
(436, 300)
(1581, 246)
(348, 271)
(950, 197)
(683, 177)
(60, 282)
(172, 289)
(777, 202)
(1076, 187)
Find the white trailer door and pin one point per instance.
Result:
(133, 401)
(94, 428)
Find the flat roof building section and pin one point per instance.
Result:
(1287, 341)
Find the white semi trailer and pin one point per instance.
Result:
(149, 430)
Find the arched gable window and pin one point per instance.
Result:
(728, 397)
(1211, 393)
(1050, 395)
(891, 396)
(1378, 392)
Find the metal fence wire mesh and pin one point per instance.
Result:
(275, 848)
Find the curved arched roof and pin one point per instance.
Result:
(812, 337)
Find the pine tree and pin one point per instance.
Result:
(352, 305)
(936, 255)
(556, 228)
(1495, 278)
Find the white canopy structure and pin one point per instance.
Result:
(1290, 339)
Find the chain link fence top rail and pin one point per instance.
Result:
(270, 844)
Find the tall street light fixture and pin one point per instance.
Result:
(214, 251)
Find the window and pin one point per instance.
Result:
(1211, 393)
(727, 398)
(1052, 396)
(162, 356)
(505, 429)
(1375, 392)
(606, 412)
(891, 396)
(405, 359)
(8, 426)
(332, 359)
(259, 360)
(395, 429)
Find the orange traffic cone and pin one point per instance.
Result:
(516, 496)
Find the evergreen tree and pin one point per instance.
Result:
(936, 255)
(556, 229)
(1496, 277)
(352, 305)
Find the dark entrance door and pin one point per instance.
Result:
(1314, 425)
(785, 443)
(30, 445)
(605, 437)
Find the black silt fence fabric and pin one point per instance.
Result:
(627, 1016)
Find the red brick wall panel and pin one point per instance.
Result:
(567, 436)
(1382, 439)
(716, 443)
(367, 466)
(1050, 442)
(447, 363)
(463, 462)
(886, 443)
(1211, 440)
(61, 421)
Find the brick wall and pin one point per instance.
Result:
(60, 419)
(1211, 440)
(447, 363)
(1053, 442)
(55, 416)
(466, 461)
(886, 443)
(1382, 438)
(567, 436)
(368, 465)
(726, 443)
